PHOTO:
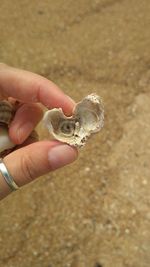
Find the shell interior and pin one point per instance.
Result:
(87, 118)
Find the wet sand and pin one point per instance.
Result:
(94, 213)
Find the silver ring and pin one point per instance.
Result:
(8, 178)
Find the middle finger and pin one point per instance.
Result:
(25, 120)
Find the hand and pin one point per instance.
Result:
(35, 158)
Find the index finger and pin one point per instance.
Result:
(29, 87)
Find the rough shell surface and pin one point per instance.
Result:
(87, 118)
(6, 112)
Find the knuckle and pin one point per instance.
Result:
(28, 168)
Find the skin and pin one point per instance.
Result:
(26, 163)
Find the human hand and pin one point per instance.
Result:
(34, 158)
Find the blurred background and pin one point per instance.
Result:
(94, 213)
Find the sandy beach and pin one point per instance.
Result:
(95, 212)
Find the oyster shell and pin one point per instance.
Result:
(87, 118)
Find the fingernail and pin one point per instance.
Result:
(61, 155)
(23, 131)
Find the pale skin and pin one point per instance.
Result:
(33, 159)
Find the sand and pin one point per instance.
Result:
(94, 213)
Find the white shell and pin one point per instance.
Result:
(5, 141)
(87, 118)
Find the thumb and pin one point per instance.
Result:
(34, 160)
